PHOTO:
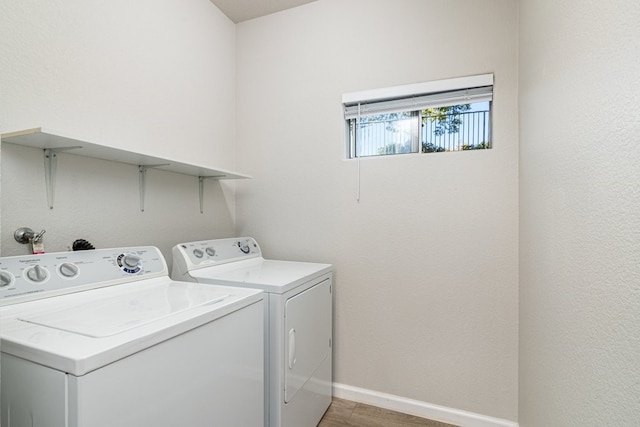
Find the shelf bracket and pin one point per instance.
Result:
(201, 188)
(50, 166)
(142, 173)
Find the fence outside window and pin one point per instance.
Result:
(473, 133)
(413, 132)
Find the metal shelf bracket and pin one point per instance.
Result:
(201, 188)
(142, 172)
(50, 166)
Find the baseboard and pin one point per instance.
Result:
(418, 408)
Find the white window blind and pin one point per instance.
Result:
(404, 91)
(418, 102)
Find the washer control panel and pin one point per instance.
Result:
(29, 277)
(218, 251)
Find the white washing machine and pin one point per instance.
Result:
(298, 321)
(105, 338)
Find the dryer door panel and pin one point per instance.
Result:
(307, 335)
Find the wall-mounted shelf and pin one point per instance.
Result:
(53, 142)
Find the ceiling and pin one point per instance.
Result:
(243, 10)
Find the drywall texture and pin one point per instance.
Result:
(151, 76)
(579, 213)
(427, 262)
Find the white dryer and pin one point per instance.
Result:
(105, 338)
(298, 321)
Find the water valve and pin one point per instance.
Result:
(26, 235)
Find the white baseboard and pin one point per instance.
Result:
(418, 408)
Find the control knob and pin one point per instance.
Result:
(6, 279)
(68, 270)
(131, 260)
(244, 247)
(210, 251)
(37, 274)
(198, 253)
(130, 263)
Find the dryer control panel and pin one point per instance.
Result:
(206, 253)
(29, 277)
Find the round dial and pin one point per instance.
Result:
(198, 253)
(210, 251)
(68, 270)
(244, 247)
(6, 279)
(37, 274)
(130, 263)
(131, 260)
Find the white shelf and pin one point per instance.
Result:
(48, 139)
(53, 142)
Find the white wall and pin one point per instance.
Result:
(579, 213)
(427, 263)
(151, 76)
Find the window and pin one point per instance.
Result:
(444, 115)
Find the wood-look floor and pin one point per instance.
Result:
(344, 413)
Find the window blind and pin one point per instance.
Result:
(418, 102)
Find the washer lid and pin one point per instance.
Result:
(119, 313)
(269, 275)
(81, 332)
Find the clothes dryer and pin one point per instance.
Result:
(298, 321)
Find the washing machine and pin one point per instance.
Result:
(298, 321)
(104, 338)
